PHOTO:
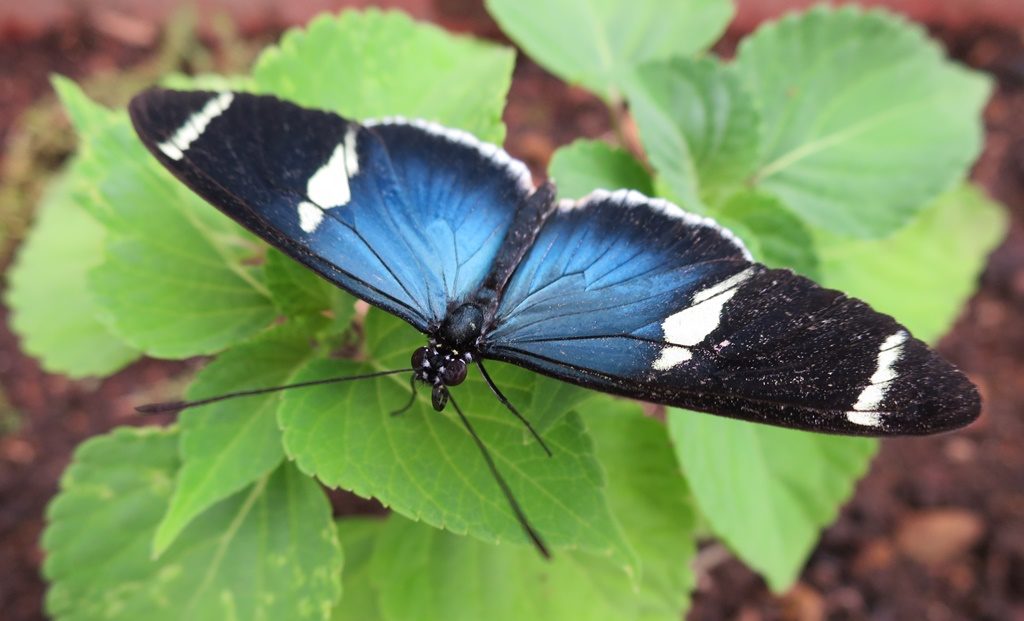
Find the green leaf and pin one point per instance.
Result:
(698, 125)
(51, 310)
(358, 538)
(772, 233)
(227, 446)
(587, 165)
(207, 82)
(343, 310)
(424, 465)
(384, 64)
(598, 43)
(295, 288)
(82, 111)
(651, 501)
(548, 399)
(275, 539)
(423, 573)
(864, 121)
(174, 281)
(767, 491)
(690, 204)
(923, 274)
(178, 301)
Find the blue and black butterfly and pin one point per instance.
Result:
(616, 292)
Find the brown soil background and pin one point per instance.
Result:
(935, 531)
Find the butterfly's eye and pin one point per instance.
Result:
(439, 397)
(454, 372)
(419, 357)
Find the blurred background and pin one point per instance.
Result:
(935, 531)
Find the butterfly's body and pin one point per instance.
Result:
(617, 291)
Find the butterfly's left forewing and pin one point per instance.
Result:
(406, 215)
(632, 296)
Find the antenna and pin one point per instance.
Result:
(174, 406)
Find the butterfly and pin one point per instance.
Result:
(616, 292)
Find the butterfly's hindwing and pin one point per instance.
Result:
(406, 215)
(606, 299)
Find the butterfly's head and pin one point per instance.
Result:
(440, 367)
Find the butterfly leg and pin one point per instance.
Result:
(511, 408)
(412, 397)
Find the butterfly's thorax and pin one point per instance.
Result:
(462, 326)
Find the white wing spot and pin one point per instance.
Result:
(194, 126)
(351, 157)
(863, 412)
(866, 419)
(728, 286)
(310, 216)
(328, 187)
(693, 324)
(671, 356)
